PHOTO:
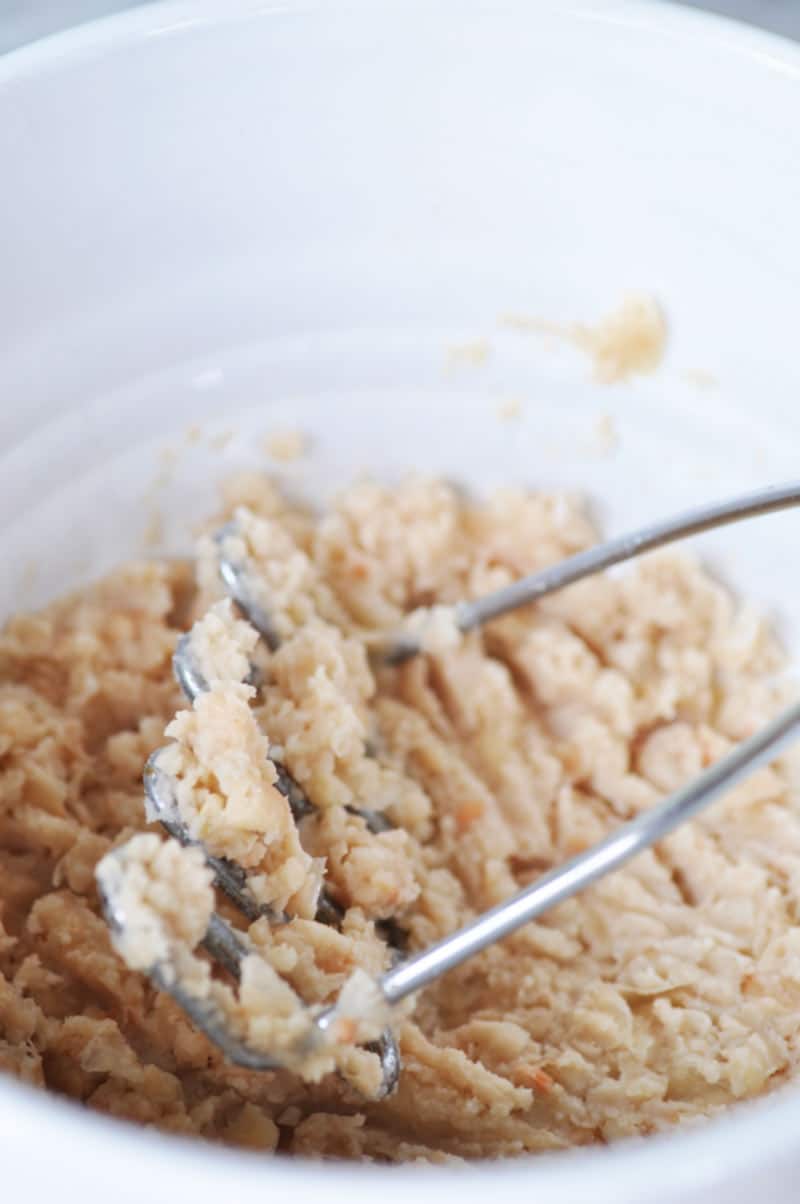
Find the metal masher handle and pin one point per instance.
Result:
(603, 556)
(649, 827)
(566, 880)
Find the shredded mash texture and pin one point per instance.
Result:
(659, 996)
(162, 898)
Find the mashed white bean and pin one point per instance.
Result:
(662, 995)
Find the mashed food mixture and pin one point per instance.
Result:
(657, 997)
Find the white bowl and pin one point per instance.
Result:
(286, 215)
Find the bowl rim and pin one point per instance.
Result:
(160, 18)
(698, 1158)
